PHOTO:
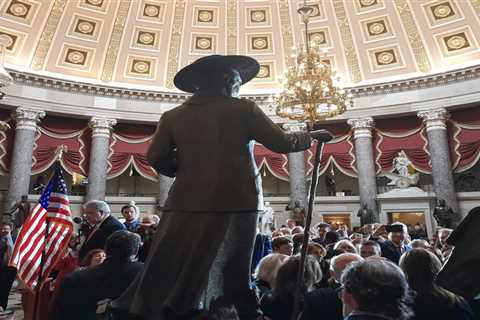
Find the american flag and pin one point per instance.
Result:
(33, 242)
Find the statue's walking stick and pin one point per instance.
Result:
(306, 233)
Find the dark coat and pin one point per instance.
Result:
(460, 273)
(390, 252)
(262, 288)
(98, 239)
(475, 305)
(81, 290)
(205, 144)
(431, 307)
(276, 309)
(367, 316)
(323, 304)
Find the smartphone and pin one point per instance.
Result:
(394, 228)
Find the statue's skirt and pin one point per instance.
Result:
(183, 260)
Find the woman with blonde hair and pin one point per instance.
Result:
(266, 273)
(279, 304)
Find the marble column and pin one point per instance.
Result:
(164, 184)
(100, 147)
(435, 122)
(296, 169)
(367, 179)
(21, 162)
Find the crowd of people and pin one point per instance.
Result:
(370, 272)
(103, 258)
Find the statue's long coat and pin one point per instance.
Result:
(205, 143)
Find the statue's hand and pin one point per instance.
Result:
(321, 136)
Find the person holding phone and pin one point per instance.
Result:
(396, 245)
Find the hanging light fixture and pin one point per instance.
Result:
(311, 93)
(5, 77)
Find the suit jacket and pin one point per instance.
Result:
(81, 290)
(391, 252)
(99, 237)
(323, 303)
(206, 144)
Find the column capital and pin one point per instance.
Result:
(362, 127)
(435, 119)
(101, 126)
(294, 126)
(27, 119)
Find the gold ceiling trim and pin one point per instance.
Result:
(232, 9)
(115, 39)
(175, 41)
(418, 47)
(347, 39)
(287, 34)
(41, 51)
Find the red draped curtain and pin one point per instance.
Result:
(128, 147)
(276, 163)
(61, 139)
(6, 142)
(464, 134)
(339, 152)
(71, 138)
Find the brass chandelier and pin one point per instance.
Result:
(311, 93)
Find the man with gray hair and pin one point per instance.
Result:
(97, 214)
(375, 289)
(324, 302)
(370, 248)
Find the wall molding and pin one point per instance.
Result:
(417, 83)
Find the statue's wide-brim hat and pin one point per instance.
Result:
(246, 66)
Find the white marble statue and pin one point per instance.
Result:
(402, 179)
(401, 164)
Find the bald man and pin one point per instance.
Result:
(325, 302)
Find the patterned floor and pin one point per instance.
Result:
(15, 304)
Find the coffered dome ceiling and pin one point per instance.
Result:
(142, 43)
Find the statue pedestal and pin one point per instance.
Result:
(408, 200)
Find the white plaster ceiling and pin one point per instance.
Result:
(142, 43)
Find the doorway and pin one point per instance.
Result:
(415, 222)
(337, 220)
(409, 218)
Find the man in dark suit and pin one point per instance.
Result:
(207, 145)
(81, 290)
(97, 214)
(325, 303)
(395, 246)
(7, 273)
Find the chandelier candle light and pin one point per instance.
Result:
(311, 93)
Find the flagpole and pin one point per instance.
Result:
(40, 273)
(38, 287)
